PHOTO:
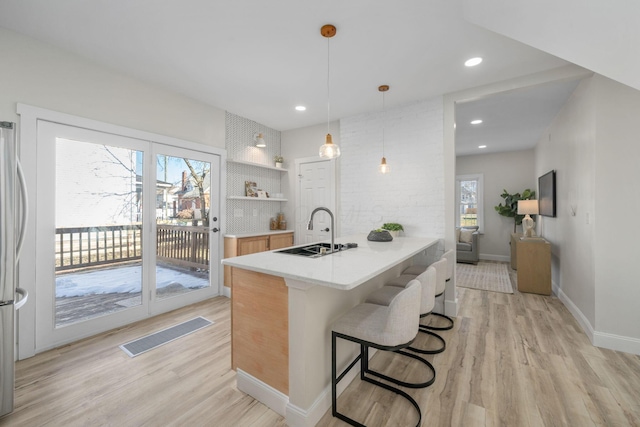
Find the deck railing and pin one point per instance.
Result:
(82, 247)
(184, 246)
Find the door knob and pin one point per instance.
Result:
(326, 229)
(215, 230)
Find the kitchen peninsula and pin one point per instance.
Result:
(282, 309)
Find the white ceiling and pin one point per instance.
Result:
(259, 59)
(512, 120)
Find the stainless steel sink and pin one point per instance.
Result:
(314, 250)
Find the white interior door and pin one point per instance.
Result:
(315, 187)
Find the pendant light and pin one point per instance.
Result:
(328, 150)
(384, 168)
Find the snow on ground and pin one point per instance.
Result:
(127, 279)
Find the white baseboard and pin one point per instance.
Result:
(226, 291)
(279, 402)
(599, 339)
(575, 311)
(490, 257)
(617, 342)
(298, 417)
(262, 392)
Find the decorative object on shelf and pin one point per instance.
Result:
(251, 189)
(510, 207)
(526, 208)
(261, 194)
(282, 223)
(259, 139)
(393, 228)
(328, 150)
(379, 235)
(383, 168)
(279, 160)
(273, 224)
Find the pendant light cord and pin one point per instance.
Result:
(328, 92)
(384, 122)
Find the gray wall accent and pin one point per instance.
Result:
(512, 171)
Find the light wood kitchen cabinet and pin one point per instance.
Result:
(533, 258)
(250, 245)
(237, 246)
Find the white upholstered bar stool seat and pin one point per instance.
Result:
(428, 280)
(389, 328)
(415, 269)
(444, 272)
(402, 280)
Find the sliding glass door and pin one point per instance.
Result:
(186, 225)
(127, 228)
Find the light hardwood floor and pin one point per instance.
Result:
(511, 360)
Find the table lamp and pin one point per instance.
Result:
(526, 208)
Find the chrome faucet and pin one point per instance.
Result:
(310, 224)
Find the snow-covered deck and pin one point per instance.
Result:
(88, 294)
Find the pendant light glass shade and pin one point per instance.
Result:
(384, 168)
(328, 150)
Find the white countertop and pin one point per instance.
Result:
(257, 233)
(342, 270)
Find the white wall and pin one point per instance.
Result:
(37, 74)
(412, 194)
(568, 147)
(512, 171)
(617, 154)
(593, 145)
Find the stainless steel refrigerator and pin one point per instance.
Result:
(13, 214)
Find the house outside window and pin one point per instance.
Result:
(469, 197)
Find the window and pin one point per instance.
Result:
(469, 196)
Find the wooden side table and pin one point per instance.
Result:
(533, 257)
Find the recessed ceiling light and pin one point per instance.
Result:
(476, 122)
(482, 146)
(473, 61)
(300, 108)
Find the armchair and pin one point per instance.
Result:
(467, 244)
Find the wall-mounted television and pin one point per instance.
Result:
(547, 194)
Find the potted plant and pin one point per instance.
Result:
(279, 160)
(510, 207)
(393, 228)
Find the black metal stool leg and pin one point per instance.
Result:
(364, 368)
(432, 334)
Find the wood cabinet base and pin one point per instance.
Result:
(260, 327)
(534, 265)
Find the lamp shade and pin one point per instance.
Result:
(527, 207)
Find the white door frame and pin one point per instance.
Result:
(28, 270)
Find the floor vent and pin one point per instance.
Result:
(149, 342)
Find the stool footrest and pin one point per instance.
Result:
(425, 384)
(440, 328)
(436, 336)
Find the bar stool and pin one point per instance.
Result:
(427, 279)
(389, 328)
(445, 272)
